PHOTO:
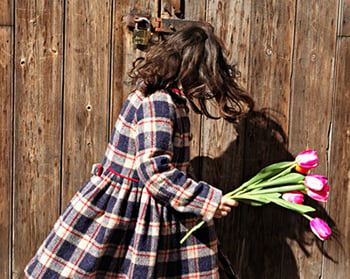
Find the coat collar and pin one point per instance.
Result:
(178, 93)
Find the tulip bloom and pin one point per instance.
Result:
(320, 228)
(315, 182)
(320, 196)
(306, 160)
(293, 196)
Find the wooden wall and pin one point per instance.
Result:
(63, 80)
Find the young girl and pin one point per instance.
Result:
(127, 220)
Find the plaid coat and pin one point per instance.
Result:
(127, 220)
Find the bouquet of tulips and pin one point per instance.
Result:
(285, 184)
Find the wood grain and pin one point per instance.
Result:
(6, 17)
(338, 206)
(86, 91)
(266, 131)
(313, 76)
(344, 18)
(124, 52)
(265, 135)
(37, 126)
(270, 61)
(222, 142)
(310, 112)
(6, 145)
(196, 12)
(64, 77)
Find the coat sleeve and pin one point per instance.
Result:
(168, 185)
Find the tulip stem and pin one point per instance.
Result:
(307, 217)
(283, 172)
(280, 189)
(196, 227)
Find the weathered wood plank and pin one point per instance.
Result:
(344, 18)
(312, 76)
(338, 206)
(251, 31)
(172, 8)
(6, 126)
(263, 230)
(195, 11)
(6, 12)
(86, 90)
(271, 56)
(229, 20)
(124, 51)
(312, 87)
(6, 145)
(259, 37)
(167, 8)
(37, 125)
(222, 142)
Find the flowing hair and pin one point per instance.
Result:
(192, 59)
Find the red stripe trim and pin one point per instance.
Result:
(151, 121)
(113, 149)
(144, 254)
(126, 124)
(128, 178)
(151, 152)
(206, 209)
(148, 192)
(178, 91)
(139, 95)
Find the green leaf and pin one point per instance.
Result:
(269, 172)
(254, 203)
(290, 178)
(280, 166)
(281, 189)
(293, 206)
(256, 199)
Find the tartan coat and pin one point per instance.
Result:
(127, 220)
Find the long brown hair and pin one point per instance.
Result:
(193, 58)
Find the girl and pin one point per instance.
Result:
(127, 220)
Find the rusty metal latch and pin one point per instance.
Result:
(168, 21)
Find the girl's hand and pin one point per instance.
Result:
(224, 207)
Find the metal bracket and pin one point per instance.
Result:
(169, 25)
(159, 24)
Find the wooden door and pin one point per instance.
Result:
(64, 76)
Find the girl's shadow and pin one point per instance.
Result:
(259, 241)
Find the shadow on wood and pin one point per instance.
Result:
(259, 241)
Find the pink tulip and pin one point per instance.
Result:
(293, 196)
(306, 160)
(315, 182)
(320, 228)
(320, 196)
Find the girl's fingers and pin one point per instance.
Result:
(229, 202)
(225, 208)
